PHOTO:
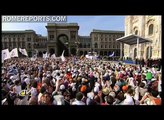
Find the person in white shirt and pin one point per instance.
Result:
(78, 99)
(128, 97)
(17, 88)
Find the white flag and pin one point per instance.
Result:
(34, 57)
(111, 55)
(53, 56)
(36, 51)
(44, 55)
(14, 53)
(5, 55)
(62, 56)
(23, 51)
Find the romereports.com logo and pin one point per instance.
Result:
(34, 18)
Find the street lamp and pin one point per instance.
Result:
(77, 46)
(68, 48)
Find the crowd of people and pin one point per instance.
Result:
(78, 81)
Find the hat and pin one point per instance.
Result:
(113, 94)
(58, 78)
(83, 88)
(97, 84)
(105, 91)
(73, 89)
(90, 95)
(125, 88)
(62, 87)
(96, 89)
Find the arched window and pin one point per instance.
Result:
(81, 52)
(85, 52)
(136, 32)
(148, 52)
(151, 27)
(135, 53)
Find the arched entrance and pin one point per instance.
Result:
(148, 52)
(135, 53)
(62, 44)
(85, 52)
(51, 51)
(81, 53)
(40, 54)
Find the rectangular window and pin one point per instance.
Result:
(28, 39)
(51, 36)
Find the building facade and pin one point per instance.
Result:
(19, 39)
(85, 45)
(40, 44)
(64, 36)
(147, 27)
(61, 37)
(104, 42)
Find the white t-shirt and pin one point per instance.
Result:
(34, 92)
(159, 86)
(128, 100)
(76, 102)
(17, 89)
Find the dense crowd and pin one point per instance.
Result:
(78, 81)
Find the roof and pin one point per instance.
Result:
(62, 24)
(107, 31)
(19, 31)
(132, 39)
(84, 37)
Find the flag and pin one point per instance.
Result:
(14, 53)
(44, 55)
(34, 57)
(23, 51)
(111, 55)
(5, 55)
(53, 56)
(62, 56)
(36, 51)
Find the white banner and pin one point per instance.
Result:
(53, 56)
(5, 55)
(62, 56)
(23, 51)
(14, 53)
(34, 57)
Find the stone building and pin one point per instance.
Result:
(148, 27)
(64, 36)
(19, 39)
(104, 42)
